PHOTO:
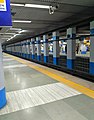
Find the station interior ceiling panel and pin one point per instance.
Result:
(67, 13)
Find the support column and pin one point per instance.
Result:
(25, 53)
(2, 88)
(38, 48)
(33, 47)
(71, 47)
(46, 50)
(19, 49)
(28, 49)
(56, 49)
(22, 49)
(92, 48)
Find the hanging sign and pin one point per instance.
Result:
(5, 13)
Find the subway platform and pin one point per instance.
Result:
(36, 92)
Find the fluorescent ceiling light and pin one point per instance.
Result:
(37, 6)
(19, 5)
(13, 37)
(4, 35)
(21, 21)
(16, 35)
(22, 31)
(16, 29)
(7, 33)
(8, 39)
(30, 5)
(4, 38)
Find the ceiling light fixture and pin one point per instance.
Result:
(21, 21)
(16, 29)
(13, 37)
(18, 5)
(30, 5)
(37, 6)
(22, 31)
(4, 38)
(7, 33)
(8, 39)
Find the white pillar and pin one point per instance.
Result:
(92, 48)
(28, 48)
(2, 86)
(19, 49)
(56, 48)
(71, 47)
(25, 49)
(33, 47)
(22, 48)
(46, 50)
(38, 48)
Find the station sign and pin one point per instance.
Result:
(5, 13)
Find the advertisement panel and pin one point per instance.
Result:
(2, 5)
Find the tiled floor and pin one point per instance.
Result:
(77, 80)
(32, 95)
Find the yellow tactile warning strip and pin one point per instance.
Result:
(57, 77)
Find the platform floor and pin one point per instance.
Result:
(35, 92)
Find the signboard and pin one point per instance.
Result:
(2, 5)
(5, 13)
